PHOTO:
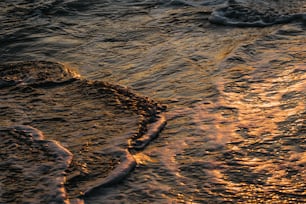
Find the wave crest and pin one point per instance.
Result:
(258, 13)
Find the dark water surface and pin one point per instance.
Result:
(231, 73)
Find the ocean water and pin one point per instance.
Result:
(87, 87)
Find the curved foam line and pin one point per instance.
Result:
(62, 155)
(154, 130)
(127, 164)
(53, 145)
(35, 133)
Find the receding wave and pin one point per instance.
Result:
(99, 123)
(259, 13)
(32, 169)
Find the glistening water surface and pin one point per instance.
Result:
(231, 73)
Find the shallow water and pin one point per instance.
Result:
(235, 96)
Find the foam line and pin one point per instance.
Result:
(152, 133)
(62, 156)
(127, 164)
(61, 152)
(44, 74)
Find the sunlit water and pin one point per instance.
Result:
(235, 96)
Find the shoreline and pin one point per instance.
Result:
(152, 120)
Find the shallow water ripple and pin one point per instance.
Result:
(235, 93)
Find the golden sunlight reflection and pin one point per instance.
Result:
(246, 122)
(142, 158)
(259, 112)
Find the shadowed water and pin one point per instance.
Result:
(235, 94)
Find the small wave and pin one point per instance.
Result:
(258, 13)
(27, 73)
(145, 139)
(33, 168)
(127, 164)
(93, 119)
